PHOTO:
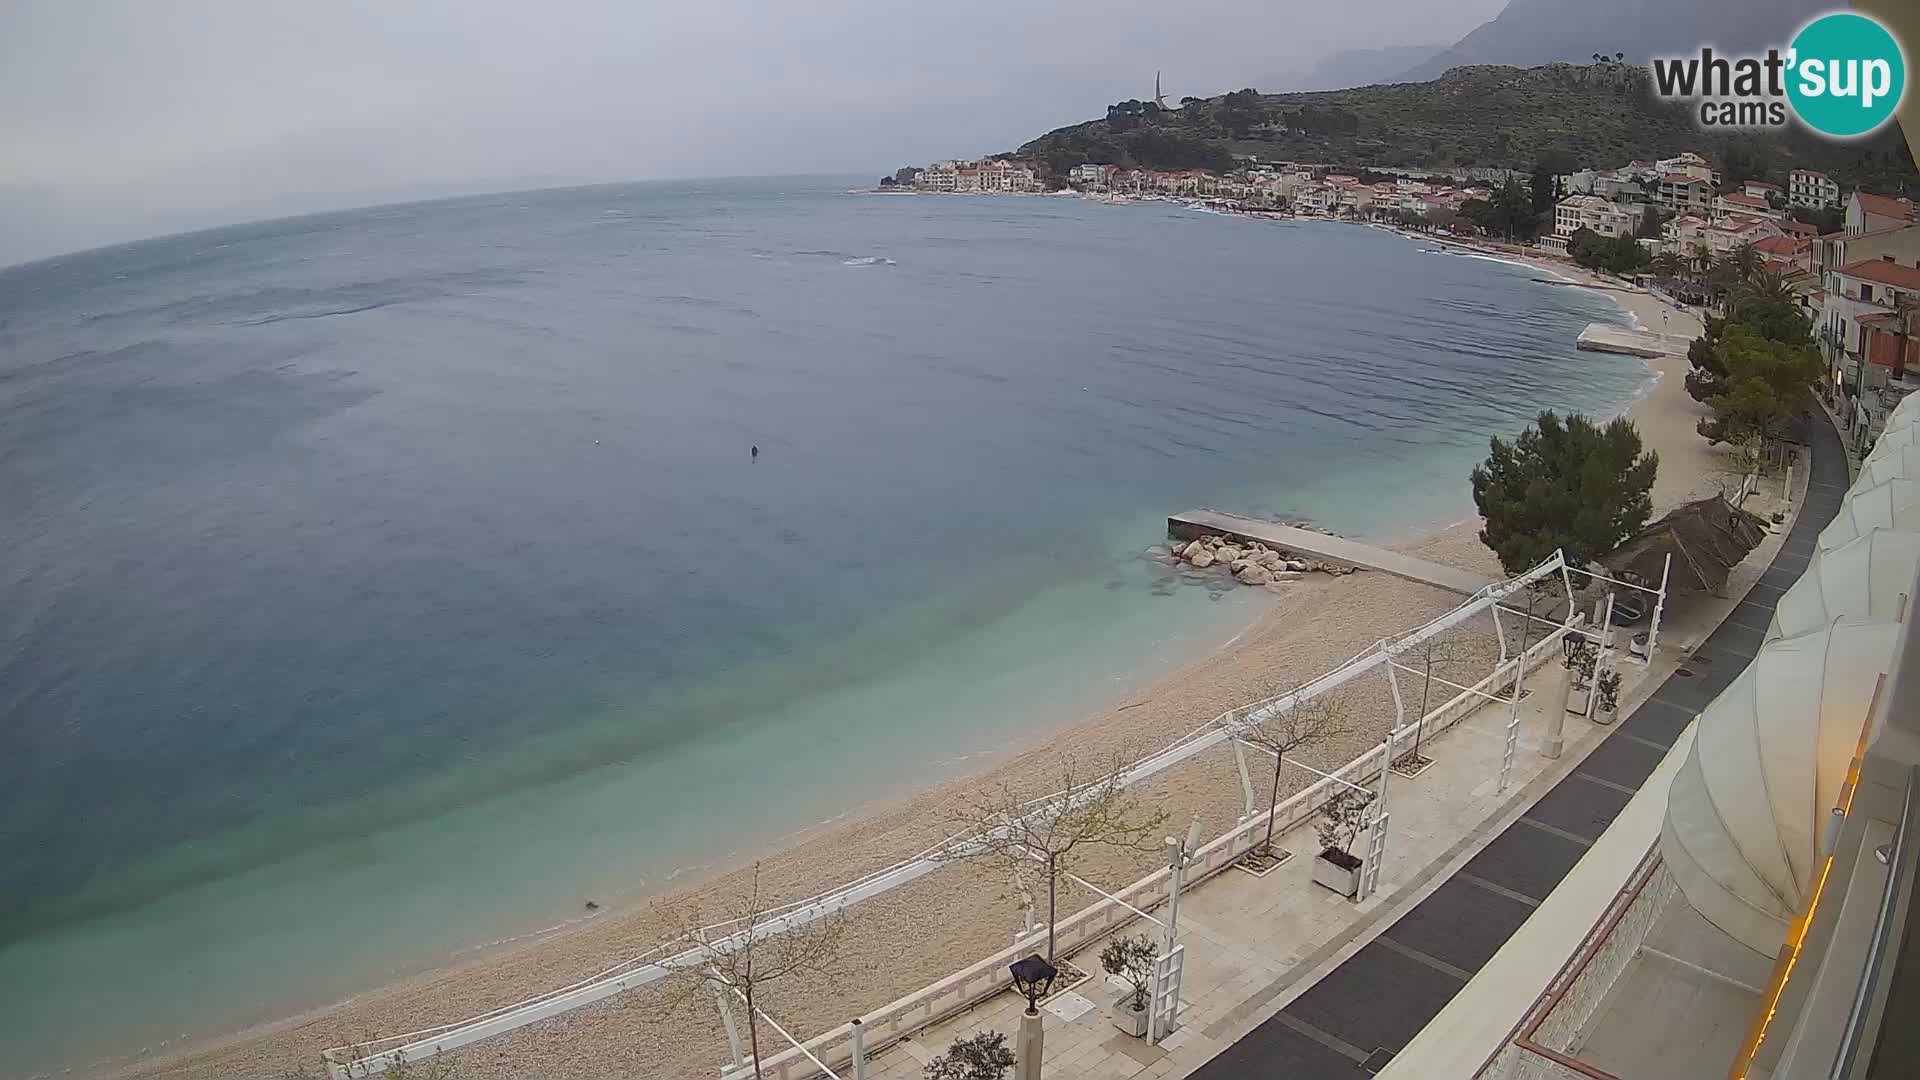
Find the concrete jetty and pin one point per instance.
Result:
(1194, 524)
(1599, 337)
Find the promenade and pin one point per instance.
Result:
(1285, 979)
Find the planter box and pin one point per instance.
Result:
(1130, 1020)
(1341, 879)
(1577, 700)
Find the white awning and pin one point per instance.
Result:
(1865, 576)
(1904, 413)
(1888, 463)
(1746, 811)
(1891, 505)
(1895, 438)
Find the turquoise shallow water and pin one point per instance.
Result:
(384, 583)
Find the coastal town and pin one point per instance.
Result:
(1851, 259)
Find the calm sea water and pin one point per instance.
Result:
(384, 583)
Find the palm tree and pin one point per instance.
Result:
(1746, 261)
(1668, 266)
(1763, 288)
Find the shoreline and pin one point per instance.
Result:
(1290, 638)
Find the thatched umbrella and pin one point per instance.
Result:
(1707, 539)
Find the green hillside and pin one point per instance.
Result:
(1564, 114)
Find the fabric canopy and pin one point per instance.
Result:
(1889, 463)
(1896, 438)
(1770, 755)
(1894, 504)
(1904, 413)
(1865, 576)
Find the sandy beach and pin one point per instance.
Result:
(924, 931)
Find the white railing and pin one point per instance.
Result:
(375, 1057)
(963, 989)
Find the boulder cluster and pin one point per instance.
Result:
(1250, 564)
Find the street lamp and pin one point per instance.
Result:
(1033, 977)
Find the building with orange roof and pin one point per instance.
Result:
(1867, 212)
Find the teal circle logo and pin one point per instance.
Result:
(1846, 75)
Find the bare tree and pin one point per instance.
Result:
(1433, 651)
(750, 945)
(1022, 834)
(1310, 722)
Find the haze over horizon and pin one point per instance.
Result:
(135, 120)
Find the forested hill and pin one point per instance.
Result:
(1567, 115)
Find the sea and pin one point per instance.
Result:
(382, 585)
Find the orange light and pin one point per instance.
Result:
(1797, 934)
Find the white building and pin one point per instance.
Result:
(1867, 213)
(1688, 165)
(1598, 214)
(1684, 193)
(1811, 187)
(1744, 203)
(939, 176)
(1092, 177)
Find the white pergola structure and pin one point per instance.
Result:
(1866, 576)
(1892, 504)
(1748, 811)
(376, 1057)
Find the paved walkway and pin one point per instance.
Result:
(1351, 1022)
(1333, 549)
(1285, 979)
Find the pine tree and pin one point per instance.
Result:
(1573, 485)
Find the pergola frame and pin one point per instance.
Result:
(668, 958)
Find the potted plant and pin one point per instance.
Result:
(1131, 959)
(1606, 697)
(1341, 817)
(981, 1056)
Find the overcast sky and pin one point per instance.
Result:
(123, 119)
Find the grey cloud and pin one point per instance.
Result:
(124, 117)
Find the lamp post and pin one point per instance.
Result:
(1033, 977)
(1570, 645)
(1179, 855)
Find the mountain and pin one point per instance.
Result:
(1530, 32)
(1355, 67)
(1566, 115)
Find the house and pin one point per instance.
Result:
(939, 176)
(1784, 255)
(1592, 212)
(1867, 212)
(1688, 165)
(1856, 295)
(1091, 177)
(1684, 236)
(1760, 189)
(1890, 349)
(1317, 198)
(1835, 250)
(1007, 176)
(1742, 203)
(1731, 233)
(1811, 187)
(1684, 193)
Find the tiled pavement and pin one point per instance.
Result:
(1349, 1024)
